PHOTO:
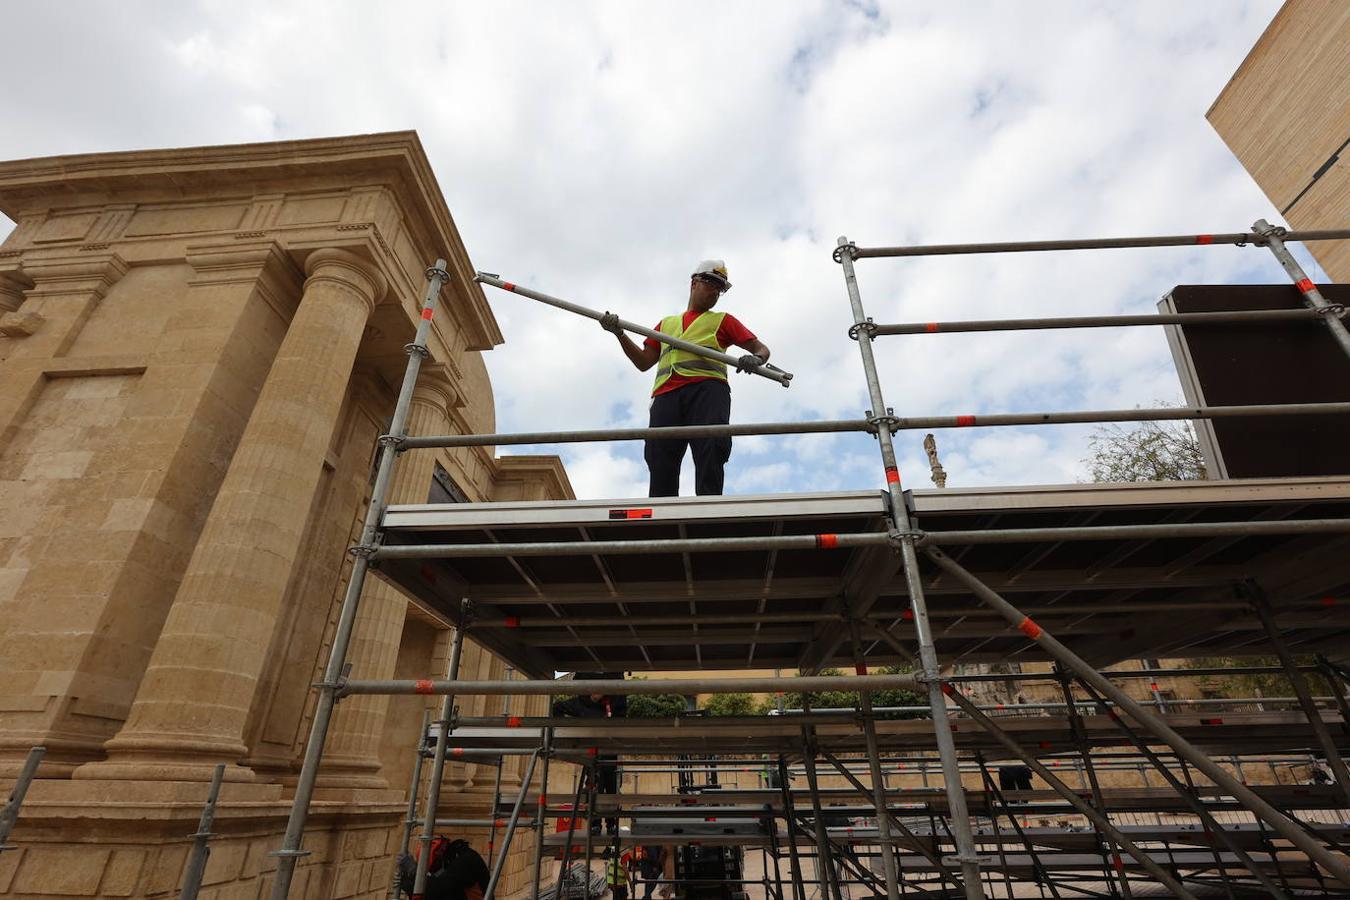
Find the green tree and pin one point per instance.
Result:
(1146, 451)
(849, 699)
(656, 706)
(731, 705)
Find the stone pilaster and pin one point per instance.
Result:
(352, 752)
(66, 290)
(192, 705)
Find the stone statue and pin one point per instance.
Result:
(939, 474)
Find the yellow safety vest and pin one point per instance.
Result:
(615, 873)
(701, 331)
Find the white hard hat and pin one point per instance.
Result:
(713, 268)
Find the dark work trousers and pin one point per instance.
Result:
(700, 403)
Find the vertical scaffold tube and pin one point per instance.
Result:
(951, 772)
(10, 814)
(497, 779)
(1311, 295)
(290, 851)
(510, 832)
(874, 769)
(540, 817)
(829, 886)
(438, 760)
(411, 818)
(201, 850)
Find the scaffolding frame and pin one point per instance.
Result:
(902, 537)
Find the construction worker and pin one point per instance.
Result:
(616, 874)
(692, 389)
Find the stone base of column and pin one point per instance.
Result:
(142, 758)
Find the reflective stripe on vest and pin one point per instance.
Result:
(701, 331)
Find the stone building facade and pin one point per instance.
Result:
(198, 350)
(1285, 116)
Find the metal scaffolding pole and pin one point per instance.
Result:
(956, 798)
(825, 874)
(1142, 856)
(1274, 238)
(702, 685)
(201, 850)
(790, 814)
(1239, 238)
(290, 850)
(495, 877)
(444, 724)
(497, 779)
(933, 856)
(410, 818)
(875, 424)
(1085, 751)
(1189, 796)
(874, 767)
(10, 814)
(1160, 729)
(1241, 317)
(541, 816)
(1305, 699)
(773, 373)
(590, 773)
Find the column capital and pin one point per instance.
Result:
(345, 268)
(13, 283)
(434, 389)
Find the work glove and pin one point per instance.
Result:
(610, 322)
(747, 362)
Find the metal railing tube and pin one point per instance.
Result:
(672, 545)
(1249, 317)
(702, 685)
(1166, 240)
(1290, 830)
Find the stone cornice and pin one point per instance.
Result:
(395, 157)
(544, 469)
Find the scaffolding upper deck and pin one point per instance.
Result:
(1110, 598)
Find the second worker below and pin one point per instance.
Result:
(692, 389)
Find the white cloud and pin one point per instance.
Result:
(596, 151)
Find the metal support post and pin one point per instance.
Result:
(290, 850)
(1218, 859)
(1274, 239)
(411, 818)
(10, 814)
(497, 780)
(1305, 700)
(541, 815)
(591, 776)
(829, 885)
(790, 814)
(956, 797)
(874, 768)
(438, 759)
(511, 822)
(1085, 751)
(201, 851)
(1239, 238)
(998, 832)
(570, 830)
(1160, 729)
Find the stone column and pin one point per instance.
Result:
(352, 753)
(192, 705)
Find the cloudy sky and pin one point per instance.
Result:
(597, 151)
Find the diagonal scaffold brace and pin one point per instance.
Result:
(1278, 821)
(773, 373)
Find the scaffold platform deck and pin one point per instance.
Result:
(1109, 599)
